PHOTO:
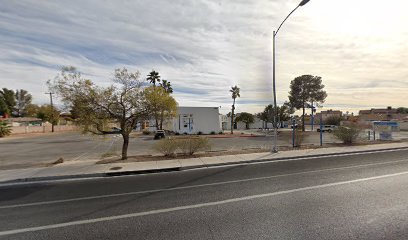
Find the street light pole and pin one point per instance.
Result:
(275, 106)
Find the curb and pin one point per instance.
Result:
(176, 169)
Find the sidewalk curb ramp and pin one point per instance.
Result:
(174, 169)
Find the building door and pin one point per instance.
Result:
(187, 123)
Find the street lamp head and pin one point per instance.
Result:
(303, 2)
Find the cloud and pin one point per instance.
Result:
(204, 47)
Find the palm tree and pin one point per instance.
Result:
(235, 94)
(153, 78)
(167, 86)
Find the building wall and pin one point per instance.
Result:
(41, 129)
(192, 120)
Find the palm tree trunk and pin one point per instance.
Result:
(232, 117)
(303, 119)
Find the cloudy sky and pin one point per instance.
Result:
(359, 48)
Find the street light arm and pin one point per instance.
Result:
(276, 32)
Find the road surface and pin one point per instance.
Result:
(363, 196)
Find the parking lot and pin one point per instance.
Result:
(38, 150)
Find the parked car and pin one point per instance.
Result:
(159, 134)
(328, 128)
(113, 130)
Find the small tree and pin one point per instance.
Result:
(5, 129)
(23, 100)
(122, 102)
(402, 110)
(32, 110)
(304, 91)
(246, 118)
(48, 113)
(284, 113)
(160, 104)
(7, 101)
(235, 93)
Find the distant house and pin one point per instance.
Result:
(380, 114)
(328, 114)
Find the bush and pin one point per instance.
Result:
(146, 132)
(212, 133)
(177, 133)
(191, 145)
(348, 135)
(220, 132)
(333, 120)
(188, 146)
(5, 129)
(199, 133)
(167, 146)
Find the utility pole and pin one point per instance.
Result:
(52, 111)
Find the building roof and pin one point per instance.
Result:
(379, 111)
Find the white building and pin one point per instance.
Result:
(191, 120)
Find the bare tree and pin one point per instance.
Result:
(122, 102)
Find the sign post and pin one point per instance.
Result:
(321, 130)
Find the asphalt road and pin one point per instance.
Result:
(362, 196)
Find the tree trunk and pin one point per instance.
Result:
(232, 117)
(125, 145)
(156, 118)
(303, 118)
(161, 120)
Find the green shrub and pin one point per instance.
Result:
(220, 132)
(146, 132)
(177, 133)
(167, 146)
(212, 133)
(199, 133)
(191, 145)
(5, 129)
(348, 135)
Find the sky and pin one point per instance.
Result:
(203, 47)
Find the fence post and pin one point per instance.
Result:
(293, 132)
(321, 130)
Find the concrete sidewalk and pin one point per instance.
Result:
(83, 169)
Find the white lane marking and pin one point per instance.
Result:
(193, 186)
(200, 205)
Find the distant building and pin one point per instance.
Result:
(190, 120)
(380, 114)
(329, 113)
